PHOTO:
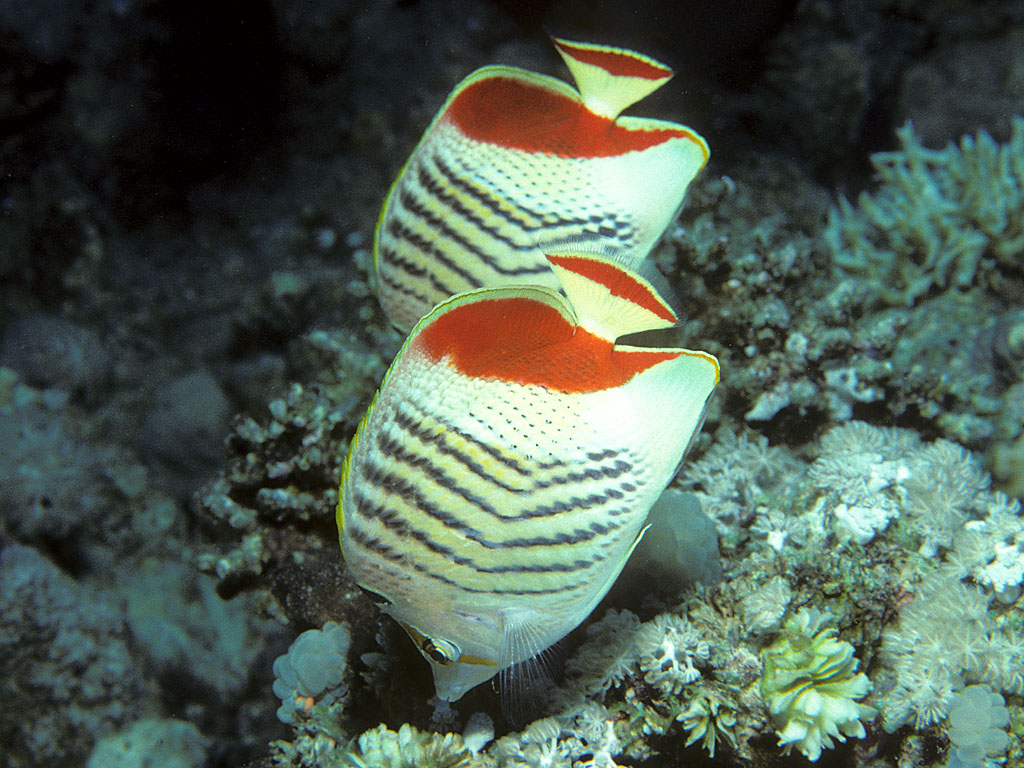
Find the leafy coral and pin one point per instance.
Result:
(408, 748)
(812, 686)
(670, 645)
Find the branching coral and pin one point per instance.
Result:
(938, 218)
(664, 651)
(608, 655)
(583, 736)
(763, 608)
(734, 474)
(812, 687)
(944, 486)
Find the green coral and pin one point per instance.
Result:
(812, 686)
(938, 217)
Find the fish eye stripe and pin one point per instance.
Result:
(435, 654)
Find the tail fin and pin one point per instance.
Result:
(610, 79)
(609, 298)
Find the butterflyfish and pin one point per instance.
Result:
(516, 161)
(503, 473)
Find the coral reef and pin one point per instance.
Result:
(944, 637)
(882, 536)
(186, 213)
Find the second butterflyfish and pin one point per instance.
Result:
(516, 161)
(504, 472)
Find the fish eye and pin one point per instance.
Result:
(440, 651)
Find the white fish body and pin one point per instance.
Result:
(504, 472)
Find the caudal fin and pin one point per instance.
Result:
(609, 298)
(610, 79)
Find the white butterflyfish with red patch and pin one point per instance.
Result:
(515, 162)
(504, 472)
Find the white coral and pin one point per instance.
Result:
(734, 473)
(607, 656)
(945, 637)
(669, 645)
(946, 484)
(764, 608)
(871, 476)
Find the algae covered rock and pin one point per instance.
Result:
(150, 742)
(60, 643)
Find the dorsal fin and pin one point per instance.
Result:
(607, 295)
(610, 79)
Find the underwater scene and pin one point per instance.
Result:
(498, 384)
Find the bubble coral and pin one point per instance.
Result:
(978, 721)
(811, 686)
(312, 669)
